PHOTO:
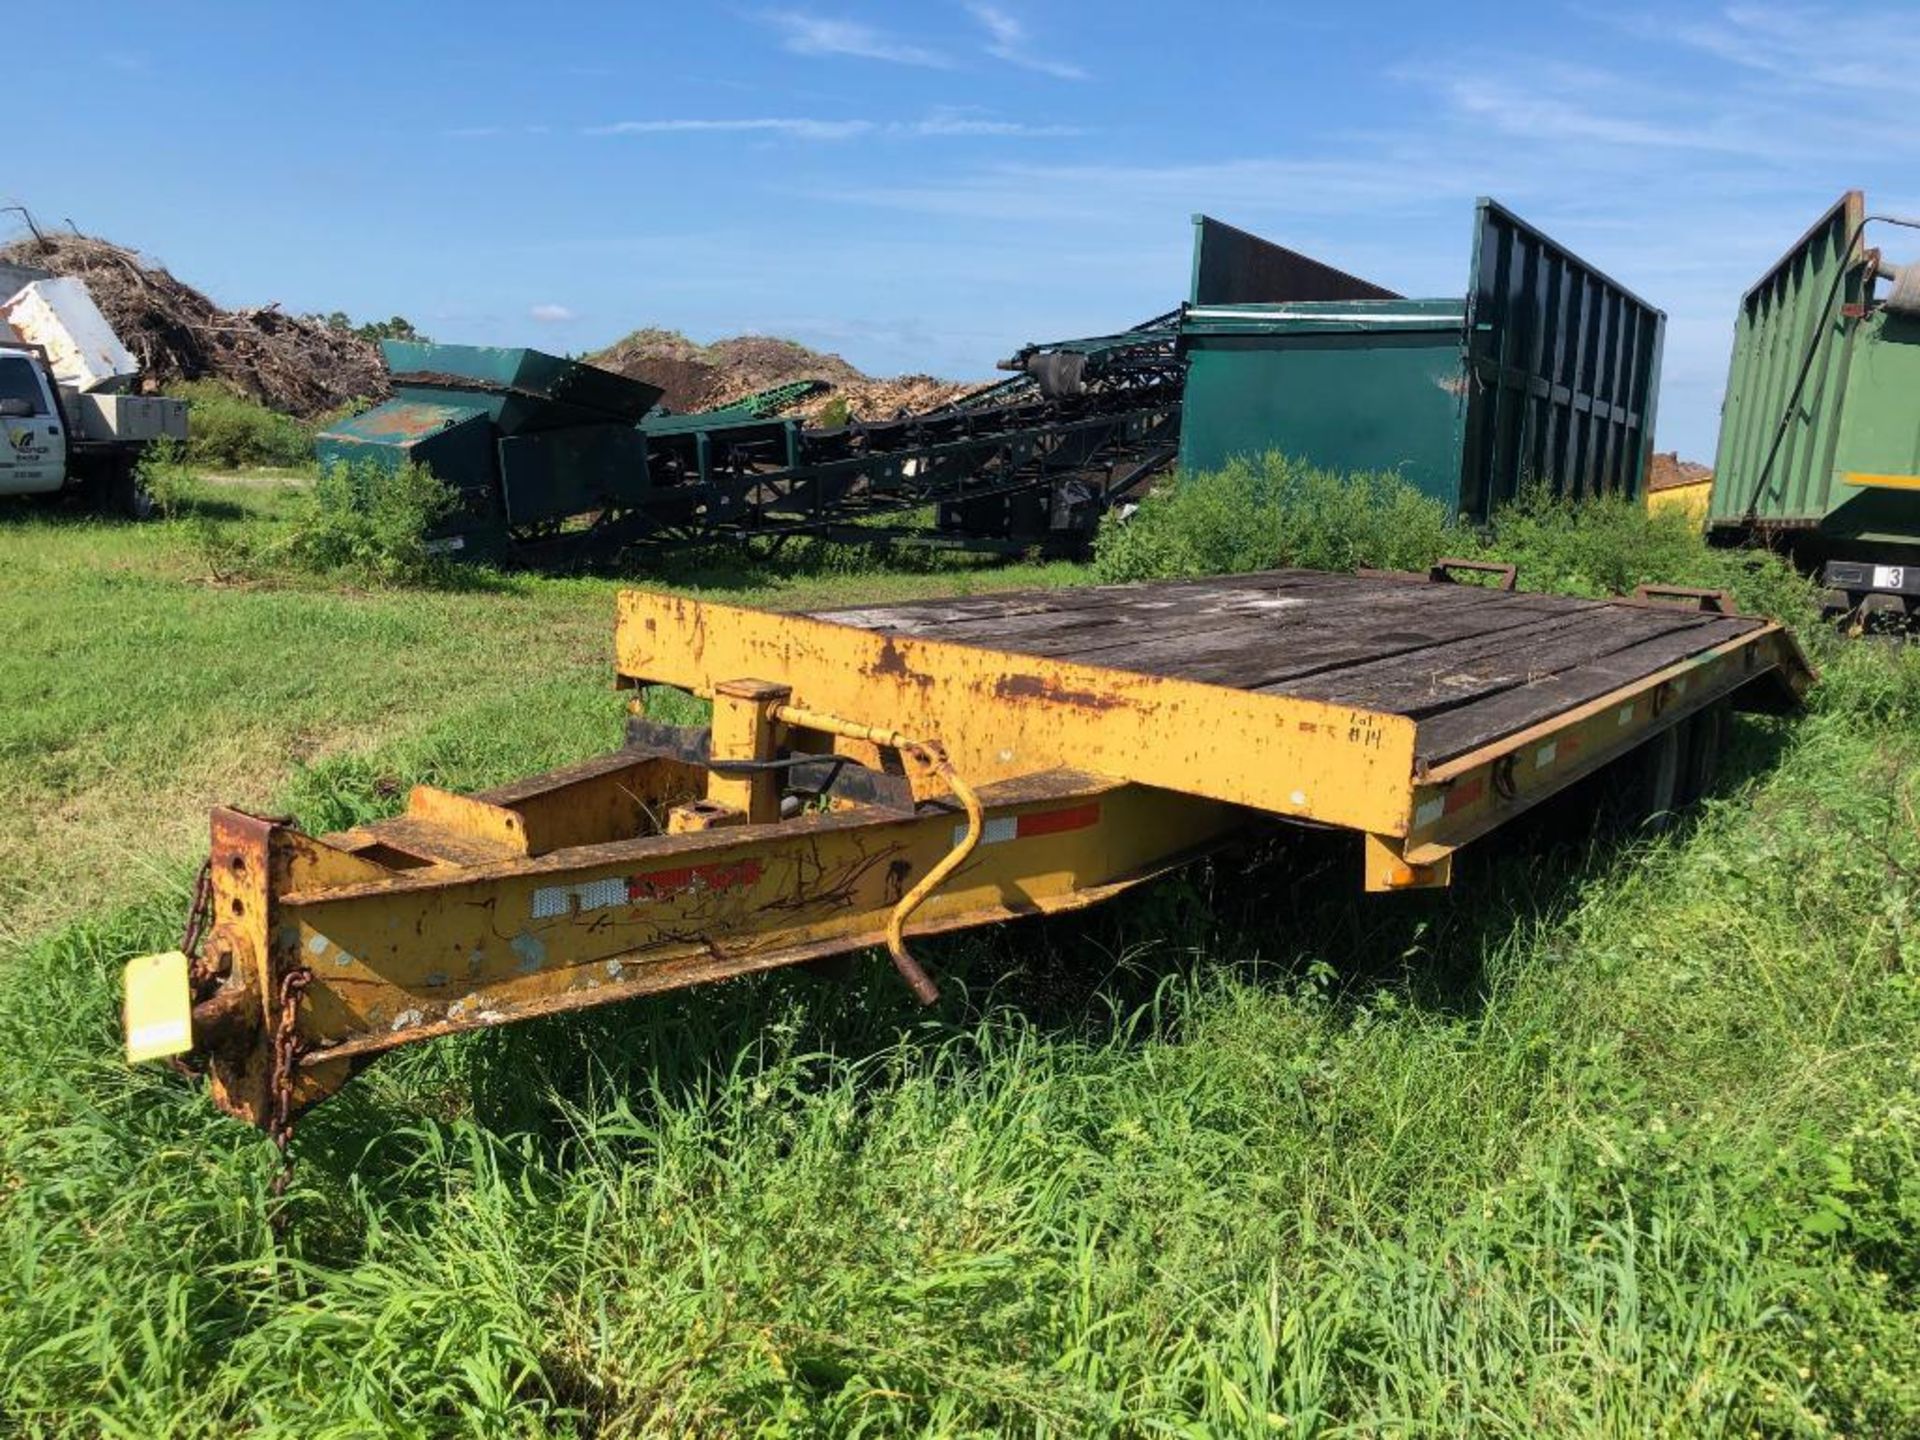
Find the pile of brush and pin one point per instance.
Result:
(288, 363)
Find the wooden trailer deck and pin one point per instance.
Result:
(1469, 664)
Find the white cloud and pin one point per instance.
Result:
(820, 35)
(1521, 111)
(1381, 182)
(1851, 49)
(550, 314)
(948, 121)
(799, 129)
(1007, 40)
(941, 124)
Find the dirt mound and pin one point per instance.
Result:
(704, 377)
(1667, 470)
(885, 399)
(286, 362)
(682, 369)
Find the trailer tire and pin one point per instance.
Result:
(1647, 790)
(1703, 739)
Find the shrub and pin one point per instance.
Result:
(227, 430)
(1608, 546)
(370, 520)
(168, 477)
(1254, 515)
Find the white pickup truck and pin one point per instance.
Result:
(66, 423)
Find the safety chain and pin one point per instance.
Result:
(200, 977)
(286, 1051)
(198, 914)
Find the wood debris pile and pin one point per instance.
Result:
(287, 362)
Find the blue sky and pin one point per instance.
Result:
(925, 186)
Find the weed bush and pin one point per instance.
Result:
(1608, 546)
(367, 520)
(1276, 511)
(167, 474)
(228, 431)
(1253, 515)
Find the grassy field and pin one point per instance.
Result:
(1618, 1138)
(140, 690)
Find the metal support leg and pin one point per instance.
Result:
(744, 728)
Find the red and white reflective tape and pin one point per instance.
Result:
(1002, 828)
(553, 901)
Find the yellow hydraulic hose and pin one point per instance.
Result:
(934, 758)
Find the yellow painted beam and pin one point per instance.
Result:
(1000, 715)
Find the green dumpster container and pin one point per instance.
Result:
(1820, 430)
(1546, 371)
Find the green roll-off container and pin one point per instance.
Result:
(1820, 430)
(1545, 371)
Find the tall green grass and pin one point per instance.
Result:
(1618, 1139)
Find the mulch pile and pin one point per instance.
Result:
(1667, 470)
(302, 367)
(703, 377)
(286, 362)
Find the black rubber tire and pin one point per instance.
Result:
(1703, 739)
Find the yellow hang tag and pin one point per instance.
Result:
(159, 1013)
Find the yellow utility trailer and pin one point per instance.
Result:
(875, 774)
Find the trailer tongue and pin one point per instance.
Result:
(881, 773)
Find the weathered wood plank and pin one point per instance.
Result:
(1154, 643)
(1467, 727)
(1251, 656)
(1149, 627)
(952, 619)
(1444, 676)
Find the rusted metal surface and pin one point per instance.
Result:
(1002, 714)
(1231, 266)
(338, 957)
(1031, 784)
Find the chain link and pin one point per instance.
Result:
(286, 1052)
(198, 914)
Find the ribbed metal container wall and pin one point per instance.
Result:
(1547, 372)
(1566, 370)
(1792, 322)
(1820, 431)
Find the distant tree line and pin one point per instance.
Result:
(396, 327)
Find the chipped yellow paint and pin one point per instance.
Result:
(635, 873)
(1001, 715)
